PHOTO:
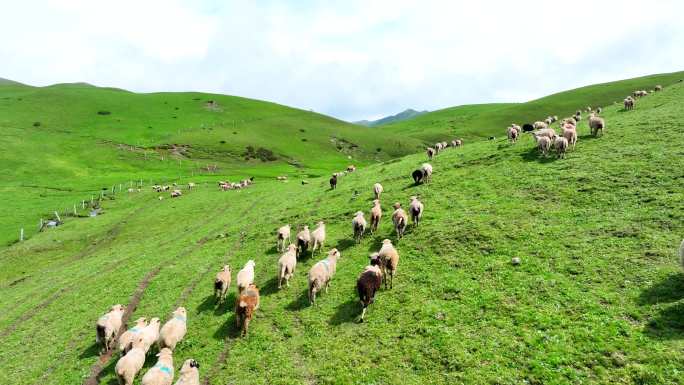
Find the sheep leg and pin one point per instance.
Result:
(363, 313)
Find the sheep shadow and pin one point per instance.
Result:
(270, 287)
(669, 324)
(210, 303)
(412, 185)
(273, 250)
(300, 302)
(91, 351)
(345, 244)
(671, 289)
(228, 329)
(346, 312)
(533, 155)
(588, 137)
(376, 243)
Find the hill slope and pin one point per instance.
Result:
(481, 121)
(597, 299)
(404, 115)
(63, 143)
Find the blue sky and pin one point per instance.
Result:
(353, 59)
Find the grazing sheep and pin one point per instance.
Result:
(427, 172)
(459, 142)
(569, 120)
(191, 185)
(538, 125)
(303, 240)
(430, 152)
(377, 190)
(282, 234)
(416, 210)
(376, 215)
(131, 362)
(286, 265)
(283, 177)
(548, 121)
(578, 117)
(174, 329)
(543, 144)
(555, 118)
(333, 182)
(126, 339)
(596, 124)
(570, 133)
(108, 325)
(176, 193)
(245, 277)
(359, 226)
(189, 373)
(588, 109)
(512, 134)
(492, 137)
(321, 273)
(400, 220)
(438, 147)
(351, 168)
(453, 144)
(162, 372)
(369, 283)
(598, 110)
(389, 260)
(629, 103)
(658, 88)
(318, 237)
(245, 306)
(221, 284)
(561, 145)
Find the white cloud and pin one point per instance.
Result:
(353, 59)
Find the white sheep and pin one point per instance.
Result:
(282, 234)
(400, 220)
(377, 190)
(126, 339)
(189, 373)
(321, 273)
(318, 237)
(286, 265)
(416, 209)
(512, 134)
(596, 124)
(561, 145)
(539, 125)
(150, 333)
(389, 260)
(427, 172)
(221, 284)
(245, 277)
(376, 215)
(303, 240)
(130, 364)
(174, 329)
(543, 144)
(570, 133)
(108, 326)
(191, 185)
(162, 372)
(359, 225)
(430, 152)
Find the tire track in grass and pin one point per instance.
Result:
(30, 313)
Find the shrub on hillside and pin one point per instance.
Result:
(36, 124)
(103, 112)
(263, 154)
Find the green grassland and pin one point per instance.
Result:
(63, 143)
(478, 121)
(597, 299)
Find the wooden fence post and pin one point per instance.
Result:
(58, 218)
(21, 235)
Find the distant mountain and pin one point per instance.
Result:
(7, 82)
(404, 115)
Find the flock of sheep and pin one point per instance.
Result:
(137, 341)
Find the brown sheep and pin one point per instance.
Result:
(245, 306)
(400, 220)
(368, 284)
(389, 260)
(376, 215)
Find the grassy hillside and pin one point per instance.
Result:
(63, 143)
(598, 297)
(483, 120)
(404, 115)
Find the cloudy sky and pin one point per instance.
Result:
(350, 59)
